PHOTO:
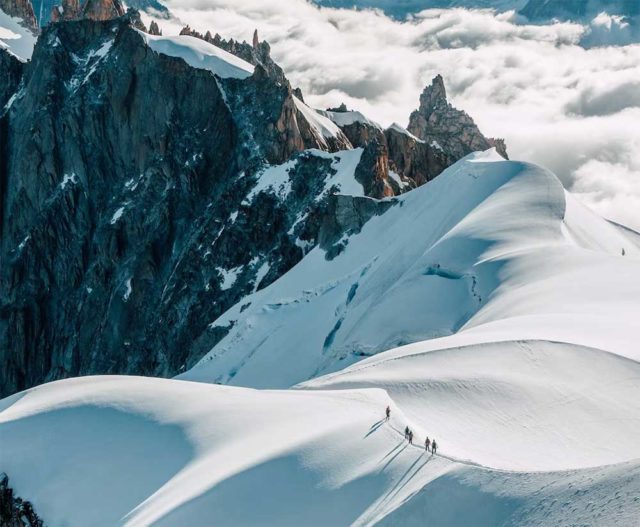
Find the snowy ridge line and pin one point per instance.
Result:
(380, 357)
(199, 54)
(459, 461)
(474, 464)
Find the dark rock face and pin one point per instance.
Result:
(154, 29)
(124, 178)
(49, 10)
(128, 219)
(439, 124)
(102, 9)
(11, 69)
(373, 171)
(15, 512)
(415, 160)
(347, 215)
(20, 9)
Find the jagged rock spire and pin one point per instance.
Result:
(439, 123)
(154, 29)
(256, 40)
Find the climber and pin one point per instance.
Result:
(427, 444)
(388, 412)
(406, 432)
(434, 446)
(410, 437)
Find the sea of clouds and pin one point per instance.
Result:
(572, 108)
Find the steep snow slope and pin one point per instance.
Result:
(116, 451)
(520, 405)
(491, 250)
(131, 451)
(533, 392)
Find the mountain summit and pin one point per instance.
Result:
(195, 176)
(437, 122)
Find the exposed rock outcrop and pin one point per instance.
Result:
(128, 219)
(154, 29)
(346, 215)
(126, 209)
(47, 11)
(68, 10)
(102, 9)
(21, 9)
(414, 159)
(11, 69)
(439, 124)
(394, 160)
(14, 511)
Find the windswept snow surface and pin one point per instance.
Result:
(108, 451)
(16, 38)
(130, 451)
(519, 314)
(200, 54)
(491, 250)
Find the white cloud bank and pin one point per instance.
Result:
(574, 110)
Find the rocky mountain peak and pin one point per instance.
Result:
(21, 9)
(434, 94)
(154, 29)
(441, 125)
(129, 237)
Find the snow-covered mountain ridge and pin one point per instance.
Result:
(158, 217)
(532, 399)
(488, 243)
(180, 209)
